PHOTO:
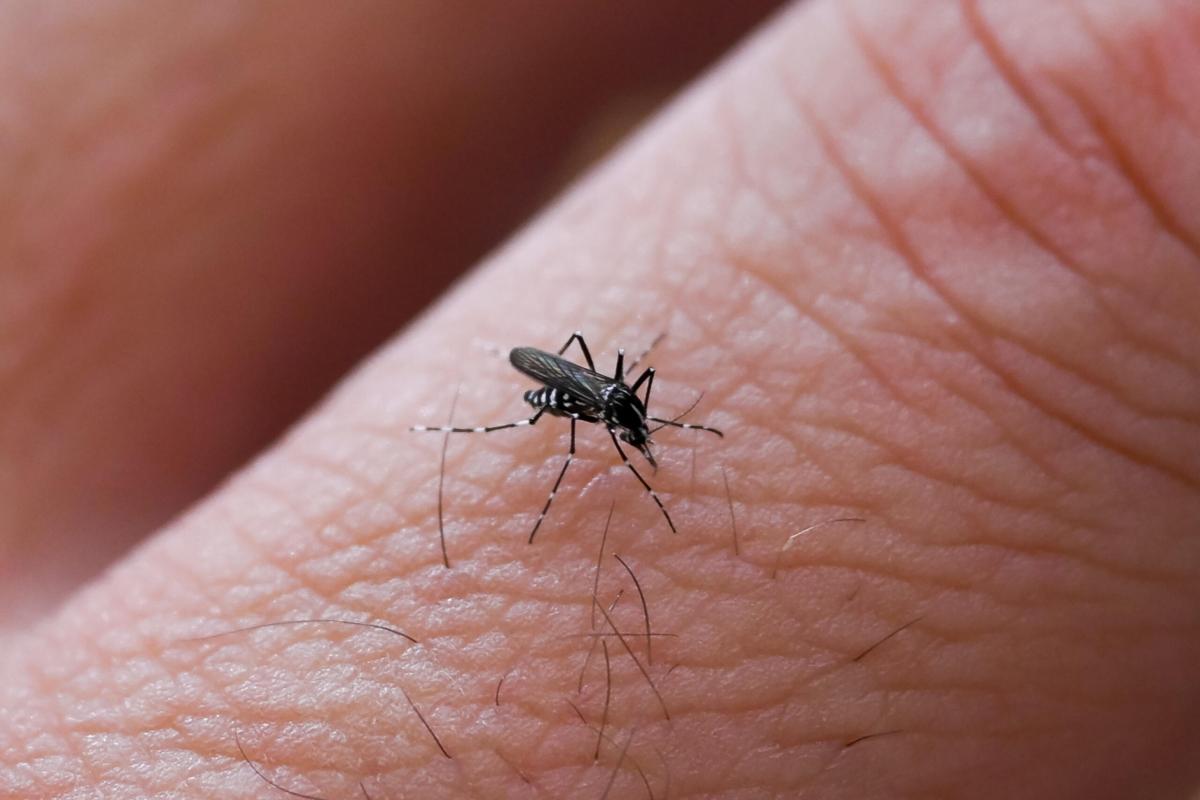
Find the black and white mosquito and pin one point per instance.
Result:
(584, 395)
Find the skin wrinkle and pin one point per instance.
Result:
(898, 457)
(1152, 573)
(223, 513)
(793, 691)
(1125, 162)
(284, 583)
(920, 270)
(1127, 167)
(1107, 571)
(923, 580)
(1043, 240)
(285, 505)
(300, 571)
(824, 323)
(946, 691)
(336, 595)
(1011, 436)
(75, 745)
(281, 727)
(336, 654)
(1011, 212)
(815, 497)
(860, 355)
(1007, 68)
(887, 75)
(685, 702)
(834, 498)
(1121, 64)
(1057, 557)
(828, 644)
(796, 392)
(1160, 73)
(748, 267)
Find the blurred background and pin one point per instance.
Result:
(213, 211)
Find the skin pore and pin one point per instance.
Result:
(931, 269)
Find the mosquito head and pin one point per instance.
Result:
(642, 443)
(638, 435)
(626, 414)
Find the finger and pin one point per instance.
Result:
(838, 283)
(211, 212)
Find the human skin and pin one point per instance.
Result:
(205, 203)
(933, 267)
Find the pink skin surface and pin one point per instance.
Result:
(934, 267)
(205, 204)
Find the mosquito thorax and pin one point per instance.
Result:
(623, 409)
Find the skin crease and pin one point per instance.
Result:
(159, 164)
(935, 270)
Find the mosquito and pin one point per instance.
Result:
(582, 394)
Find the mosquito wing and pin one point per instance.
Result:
(561, 374)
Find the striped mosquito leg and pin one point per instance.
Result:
(484, 429)
(587, 354)
(642, 480)
(557, 483)
(685, 425)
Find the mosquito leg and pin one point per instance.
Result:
(681, 414)
(587, 355)
(557, 483)
(646, 377)
(641, 480)
(485, 429)
(685, 425)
